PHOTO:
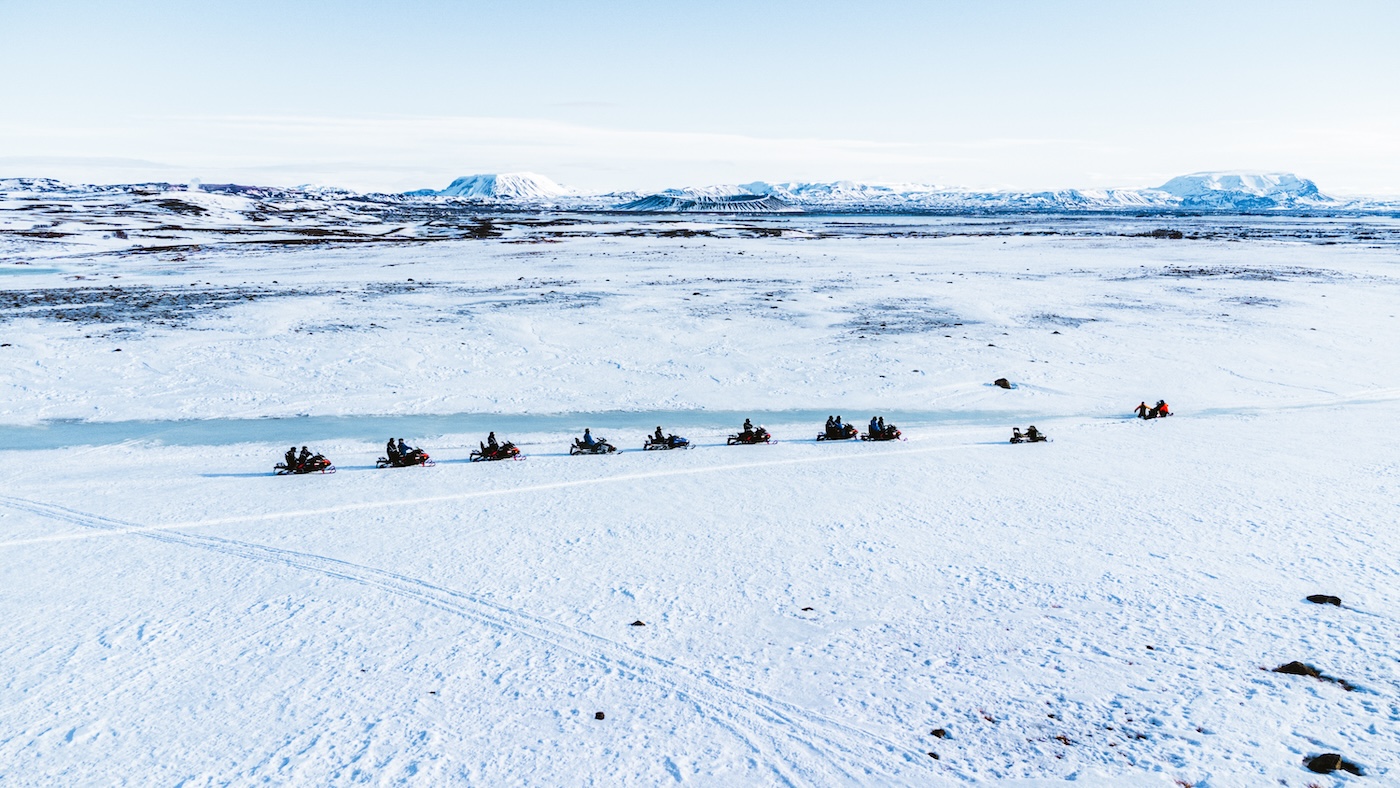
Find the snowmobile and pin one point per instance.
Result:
(505, 451)
(315, 464)
(414, 457)
(844, 433)
(757, 435)
(669, 442)
(889, 433)
(1032, 435)
(600, 446)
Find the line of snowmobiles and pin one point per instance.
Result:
(399, 455)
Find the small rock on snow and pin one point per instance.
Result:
(1325, 599)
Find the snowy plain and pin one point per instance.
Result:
(1099, 610)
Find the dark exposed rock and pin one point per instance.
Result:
(1325, 599)
(1002, 383)
(1303, 669)
(1299, 669)
(939, 733)
(598, 715)
(1329, 762)
(638, 623)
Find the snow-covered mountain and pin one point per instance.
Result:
(513, 186)
(1245, 190)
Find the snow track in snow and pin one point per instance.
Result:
(796, 743)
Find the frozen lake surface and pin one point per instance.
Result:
(1104, 609)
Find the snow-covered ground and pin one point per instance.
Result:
(1102, 609)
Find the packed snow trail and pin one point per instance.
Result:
(794, 741)
(533, 488)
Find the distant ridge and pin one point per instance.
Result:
(704, 203)
(1223, 193)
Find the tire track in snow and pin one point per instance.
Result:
(807, 743)
(199, 652)
(131, 528)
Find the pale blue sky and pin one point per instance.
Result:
(643, 95)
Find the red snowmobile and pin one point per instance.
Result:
(889, 433)
(505, 451)
(750, 437)
(414, 457)
(315, 464)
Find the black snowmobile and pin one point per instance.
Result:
(842, 432)
(599, 446)
(668, 442)
(1032, 435)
